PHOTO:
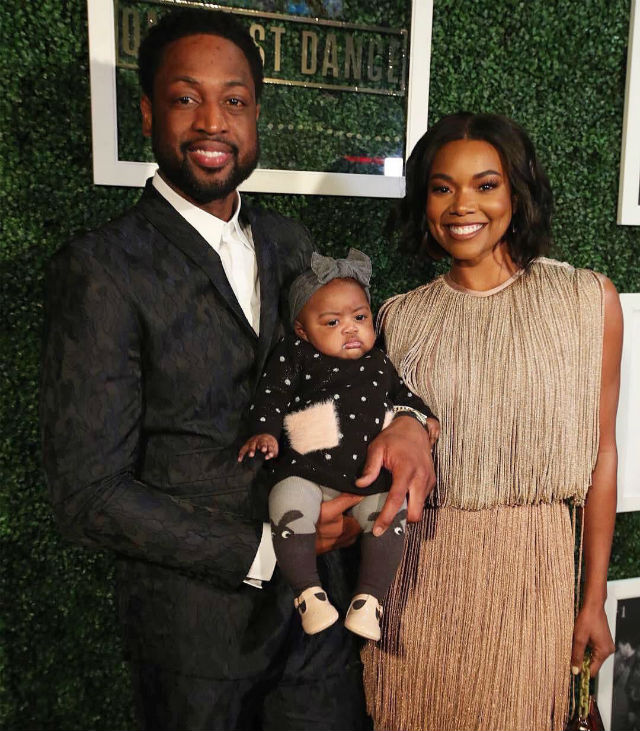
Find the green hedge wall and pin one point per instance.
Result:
(558, 68)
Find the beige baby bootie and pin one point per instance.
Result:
(364, 616)
(316, 611)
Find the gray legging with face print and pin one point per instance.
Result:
(294, 509)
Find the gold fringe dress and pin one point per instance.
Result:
(478, 625)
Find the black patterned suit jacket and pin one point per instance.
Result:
(149, 365)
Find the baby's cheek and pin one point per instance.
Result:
(371, 337)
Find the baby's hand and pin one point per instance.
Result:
(433, 427)
(265, 443)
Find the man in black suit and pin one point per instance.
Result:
(158, 326)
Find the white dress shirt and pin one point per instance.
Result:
(231, 241)
(234, 245)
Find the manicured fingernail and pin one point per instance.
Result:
(377, 531)
(575, 670)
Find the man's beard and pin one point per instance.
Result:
(180, 174)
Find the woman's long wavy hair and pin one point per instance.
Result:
(529, 233)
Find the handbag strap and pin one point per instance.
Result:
(577, 529)
(583, 708)
(583, 691)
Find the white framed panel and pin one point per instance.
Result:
(629, 191)
(628, 420)
(611, 681)
(108, 169)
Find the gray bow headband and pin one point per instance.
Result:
(323, 269)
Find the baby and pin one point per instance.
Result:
(331, 392)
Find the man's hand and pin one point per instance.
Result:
(404, 448)
(334, 529)
(433, 430)
(265, 443)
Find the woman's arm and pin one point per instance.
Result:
(591, 627)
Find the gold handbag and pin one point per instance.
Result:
(586, 716)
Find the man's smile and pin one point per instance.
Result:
(210, 153)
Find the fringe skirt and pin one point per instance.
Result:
(478, 625)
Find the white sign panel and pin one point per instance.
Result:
(629, 193)
(618, 686)
(628, 423)
(110, 169)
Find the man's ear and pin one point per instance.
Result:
(146, 108)
(299, 330)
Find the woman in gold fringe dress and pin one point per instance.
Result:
(519, 357)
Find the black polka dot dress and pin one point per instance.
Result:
(325, 411)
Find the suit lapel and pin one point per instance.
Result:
(268, 272)
(174, 227)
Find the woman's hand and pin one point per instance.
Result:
(591, 629)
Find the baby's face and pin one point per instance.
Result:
(337, 320)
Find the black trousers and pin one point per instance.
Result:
(278, 678)
(171, 702)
